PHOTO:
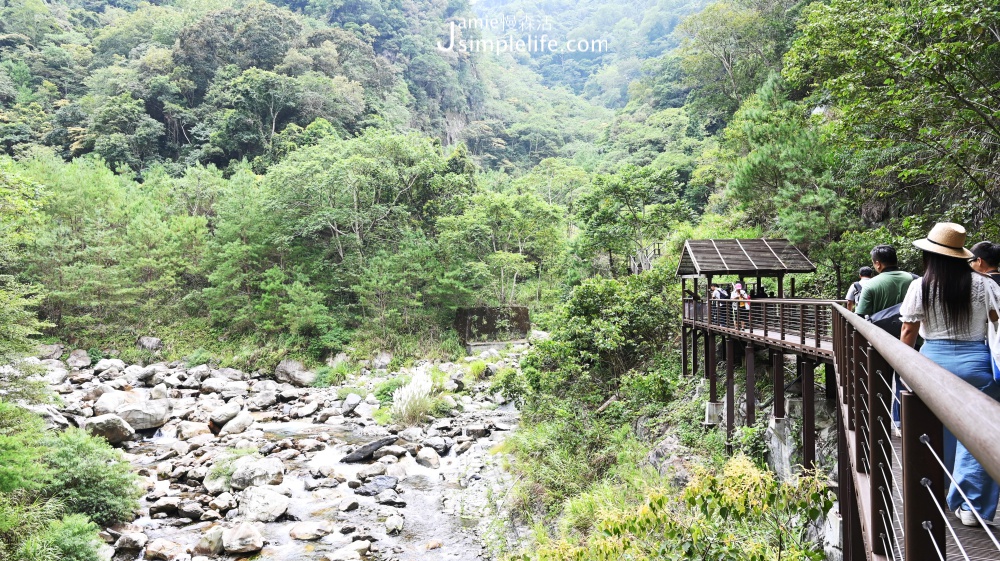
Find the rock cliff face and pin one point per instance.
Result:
(236, 463)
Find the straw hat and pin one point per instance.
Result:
(946, 238)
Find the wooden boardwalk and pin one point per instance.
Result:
(792, 341)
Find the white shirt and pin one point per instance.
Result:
(853, 294)
(933, 327)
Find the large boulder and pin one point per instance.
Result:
(189, 429)
(211, 542)
(78, 359)
(382, 361)
(113, 428)
(295, 373)
(310, 530)
(351, 403)
(111, 401)
(222, 415)
(151, 344)
(260, 504)
(108, 364)
(244, 538)
(428, 457)
(269, 471)
(147, 414)
(238, 424)
(164, 549)
(46, 352)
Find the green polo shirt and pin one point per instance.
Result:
(888, 288)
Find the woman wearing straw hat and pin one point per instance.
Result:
(944, 307)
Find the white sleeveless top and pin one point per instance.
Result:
(932, 325)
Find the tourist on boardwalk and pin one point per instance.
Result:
(719, 314)
(883, 292)
(947, 307)
(865, 275)
(741, 308)
(987, 258)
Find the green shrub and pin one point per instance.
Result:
(199, 356)
(385, 390)
(342, 393)
(21, 451)
(510, 384)
(23, 521)
(91, 477)
(95, 354)
(335, 375)
(75, 537)
(476, 370)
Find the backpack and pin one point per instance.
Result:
(723, 295)
(857, 292)
(888, 320)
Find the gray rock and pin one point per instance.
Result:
(477, 431)
(365, 453)
(377, 485)
(78, 359)
(164, 550)
(389, 497)
(166, 505)
(113, 428)
(382, 361)
(238, 424)
(190, 429)
(351, 403)
(109, 363)
(235, 388)
(56, 375)
(223, 502)
(269, 471)
(244, 538)
(347, 505)
(50, 352)
(262, 505)
(412, 434)
(159, 391)
(131, 541)
(111, 401)
(213, 385)
(190, 509)
(397, 451)
(147, 414)
(222, 415)
(199, 372)
(428, 457)
(294, 372)
(215, 484)
(373, 470)
(311, 530)
(440, 444)
(148, 344)
(211, 542)
(394, 524)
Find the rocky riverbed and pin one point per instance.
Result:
(236, 464)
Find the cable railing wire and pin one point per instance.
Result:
(895, 538)
(927, 442)
(927, 485)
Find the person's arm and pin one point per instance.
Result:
(851, 294)
(909, 333)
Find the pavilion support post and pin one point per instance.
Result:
(710, 364)
(694, 300)
(695, 349)
(808, 371)
(781, 286)
(730, 392)
(708, 301)
(778, 364)
(751, 398)
(684, 351)
(831, 381)
(793, 287)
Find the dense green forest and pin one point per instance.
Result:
(250, 181)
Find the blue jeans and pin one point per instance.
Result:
(970, 361)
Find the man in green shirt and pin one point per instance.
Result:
(888, 288)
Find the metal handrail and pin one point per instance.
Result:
(942, 392)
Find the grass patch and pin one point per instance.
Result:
(335, 375)
(385, 390)
(342, 393)
(224, 464)
(477, 369)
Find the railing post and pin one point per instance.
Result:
(730, 393)
(850, 521)
(751, 399)
(816, 313)
(808, 370)
(880, 455)
(766, 317)
(920, 472)
(781, 320)
(802, 324)
(778, 364)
